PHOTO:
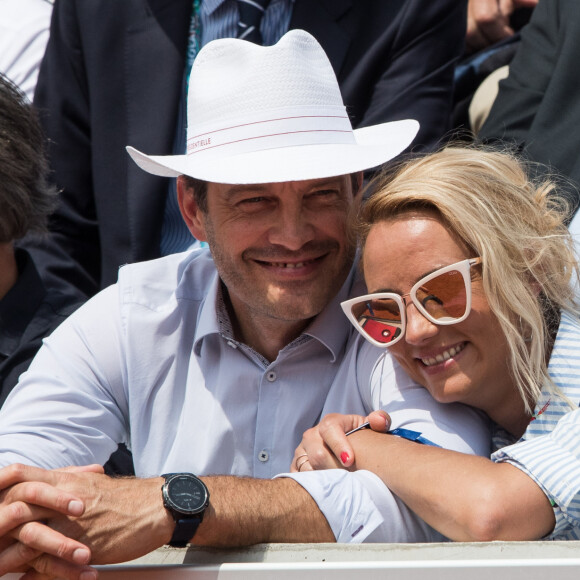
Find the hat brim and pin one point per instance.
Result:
(374, 146)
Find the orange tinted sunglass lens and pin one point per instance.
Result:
(444, 296)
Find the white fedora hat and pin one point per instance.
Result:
(259, 114)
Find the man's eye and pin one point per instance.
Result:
(253, 200)
(324, 194)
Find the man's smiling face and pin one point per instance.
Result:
(281, 249)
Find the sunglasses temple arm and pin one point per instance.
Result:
(365, 425)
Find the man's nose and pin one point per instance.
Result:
(291, 228)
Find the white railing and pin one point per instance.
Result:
(452, 561)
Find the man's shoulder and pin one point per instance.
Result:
(187, 276)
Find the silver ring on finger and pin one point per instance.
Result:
(296, 461)
(299, 466)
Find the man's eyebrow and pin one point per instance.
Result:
(331, 181)
(238, 189)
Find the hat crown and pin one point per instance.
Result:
(265, 114)
(233, 79)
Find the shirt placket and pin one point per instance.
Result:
(268, 400)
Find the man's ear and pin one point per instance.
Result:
(192, 215)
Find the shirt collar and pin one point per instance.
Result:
(562, 360)
(330, 327)
(16, 311)
(563, 365)
(207, 321)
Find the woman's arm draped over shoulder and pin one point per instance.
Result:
(466, 498)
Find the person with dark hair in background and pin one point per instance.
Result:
(28, 310)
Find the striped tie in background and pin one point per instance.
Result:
(251, 12)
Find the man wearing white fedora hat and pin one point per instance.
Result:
(208, 362)
(114, 74)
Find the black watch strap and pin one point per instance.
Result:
(186, 497)
(184, 530)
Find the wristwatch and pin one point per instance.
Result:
(186, 497)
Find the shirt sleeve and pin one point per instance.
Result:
(359, 508)
(553, 462)
(70, 407)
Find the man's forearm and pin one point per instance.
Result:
(241, 512)
(244, 511)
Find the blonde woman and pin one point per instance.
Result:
(469, 265)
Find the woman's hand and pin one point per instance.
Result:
(327, 447)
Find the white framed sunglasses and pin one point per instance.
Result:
(442, 297)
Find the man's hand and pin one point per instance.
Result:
(23, 538)
(488, 21)
(327, 447)
(122, 518)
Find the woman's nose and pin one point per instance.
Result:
(418, 328)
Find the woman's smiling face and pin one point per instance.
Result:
(465, 362)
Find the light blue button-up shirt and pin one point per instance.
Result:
(151, 361)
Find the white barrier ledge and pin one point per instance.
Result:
(290, 553)
(452, 561)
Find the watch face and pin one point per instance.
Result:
(187, 494)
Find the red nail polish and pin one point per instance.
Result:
(344, 456)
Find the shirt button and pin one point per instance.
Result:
(263, 456)
(271, 376)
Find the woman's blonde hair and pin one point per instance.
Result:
(516, 224)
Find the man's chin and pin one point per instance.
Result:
(296, 311)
